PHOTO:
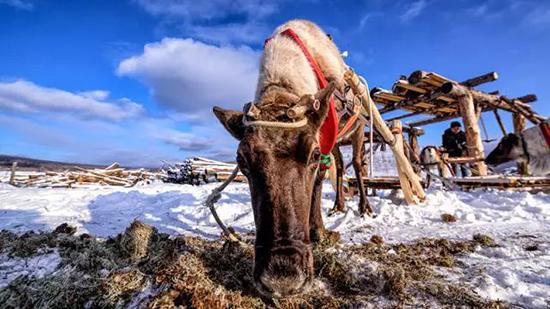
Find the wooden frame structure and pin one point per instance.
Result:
(392, 135)
(443, 99)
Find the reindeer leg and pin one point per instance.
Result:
(358, 142)
(316, 225)
(340, 201)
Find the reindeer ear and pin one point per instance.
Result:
(231, 120)
(321, 101)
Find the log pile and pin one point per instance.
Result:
(197, 171)
(113, 175)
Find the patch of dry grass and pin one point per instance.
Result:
(195, 273)
(448, 218)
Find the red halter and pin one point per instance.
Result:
(329, 128)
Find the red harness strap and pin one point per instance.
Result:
(329, 128)
(545, 129)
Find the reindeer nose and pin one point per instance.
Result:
(288, 270)
(283, 277)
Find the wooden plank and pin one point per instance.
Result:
(424, 105)
(447, 110)
(420, 76)
(382, 183)
(462, 160)
(500, 182)
(406, 85)
(440, 78)
(389, 96)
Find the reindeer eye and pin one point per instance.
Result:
(316, 154)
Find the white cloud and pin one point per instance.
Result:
(95, 94)
(414, 10)
(142, 141)
(190, 76)
(27, 97)
(78, 127)
(18, 4)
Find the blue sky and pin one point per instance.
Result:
(134, 81)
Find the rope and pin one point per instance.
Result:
(275, 124)
(371, 133)
(487, 139)
(371, 103)
(215, 197)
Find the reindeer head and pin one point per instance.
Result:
(281, 164)
(509, 148)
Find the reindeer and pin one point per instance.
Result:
(531, 146)
(431, 159)
(279, 153)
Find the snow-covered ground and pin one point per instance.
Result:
(518, 271)
(38, 266)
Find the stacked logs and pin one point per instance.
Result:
(198, 170)
(113, 175)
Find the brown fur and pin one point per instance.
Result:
(282, 165)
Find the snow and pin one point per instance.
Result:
(516, 220)
(38, 266)
(510, 272)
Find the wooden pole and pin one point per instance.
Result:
(414, 150)
(468, 113)
(406, 187)
(528, 98)
(12, 174)
(482, 79)
(519, 125)
(407, 176)
(500, 123)
(413, 142)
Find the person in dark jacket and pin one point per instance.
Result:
(454, 142)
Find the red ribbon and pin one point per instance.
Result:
(329, 128)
